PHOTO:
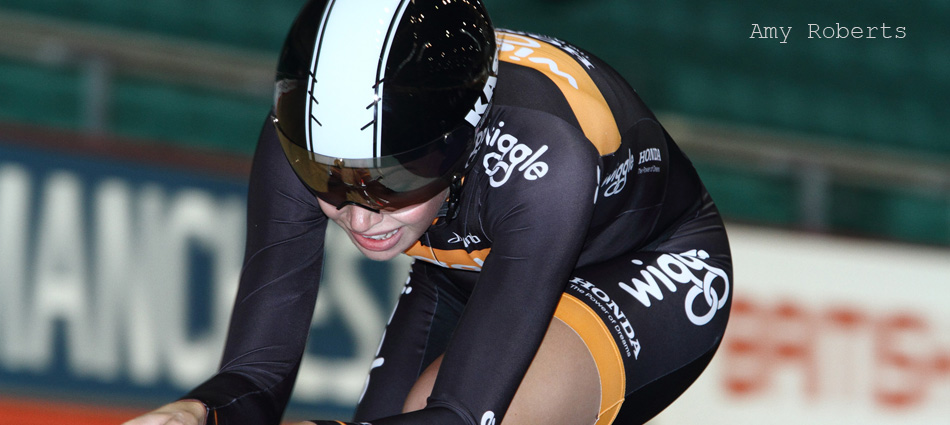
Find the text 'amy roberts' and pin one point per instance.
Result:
(838, 31)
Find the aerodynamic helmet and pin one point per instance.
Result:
(377, 102)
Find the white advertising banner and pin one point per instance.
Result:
(117, 277)
(828, 330)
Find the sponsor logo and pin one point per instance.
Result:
(617, 180)
(521, 47)
(466, 241)
(524, 39)
(648, 155)
(510, 156)
(477, 113)
(488, 418)
(618, 319)
(686, 268)
(480, 136)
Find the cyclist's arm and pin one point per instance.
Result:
(276, 296)
(537, 228)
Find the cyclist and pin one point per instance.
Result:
(570, 267)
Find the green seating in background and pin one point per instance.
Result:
(40, 95)
(746, 196)
(749, 196)
(688, 57)
(187, 116)
(138, 109)
(695, 57)
(894, 213)
(244, 24)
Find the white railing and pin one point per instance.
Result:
(815, 162)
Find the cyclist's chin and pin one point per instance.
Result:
(380, 255)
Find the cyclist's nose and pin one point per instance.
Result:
(361, 219)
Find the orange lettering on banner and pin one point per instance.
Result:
(795, 343)
(902, 381)
(846, 323)
(744, 360)
(752, 359)
(896, 360)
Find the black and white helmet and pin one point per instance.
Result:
(377, 101)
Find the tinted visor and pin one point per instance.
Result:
(386, 183)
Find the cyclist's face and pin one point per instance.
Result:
(384, 235)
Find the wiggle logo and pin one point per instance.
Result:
(684, 269)
(510, 156)
(617, 180)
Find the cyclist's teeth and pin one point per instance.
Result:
(381, 237)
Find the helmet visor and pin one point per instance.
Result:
(386, 183)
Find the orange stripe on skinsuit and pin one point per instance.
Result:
(586, 100)
(454, 258)
(588, 325)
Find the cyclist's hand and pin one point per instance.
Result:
(184, 412)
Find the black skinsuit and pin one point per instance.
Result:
(577, 202)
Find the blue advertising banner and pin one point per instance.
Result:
(117, 274)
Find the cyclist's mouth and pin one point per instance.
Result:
(378, 241)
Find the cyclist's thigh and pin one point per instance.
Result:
(560, 387)
(662, 314)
